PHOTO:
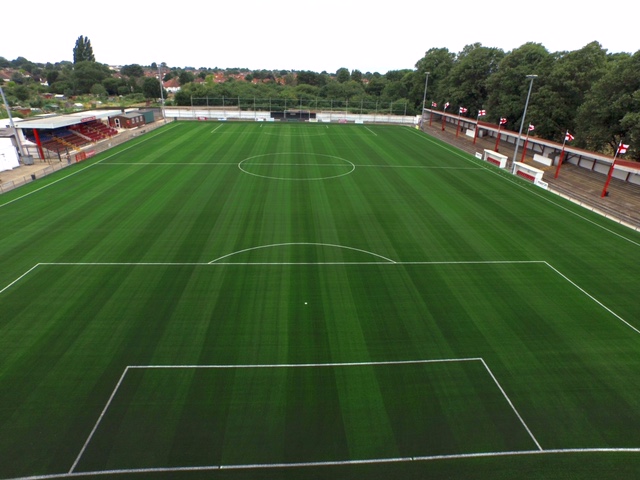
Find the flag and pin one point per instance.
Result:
(463, 110)
(568, 137)
(622, 148)
(482, 113)
(503, 121)
(531, 128)
(446, 105)
(434, 104)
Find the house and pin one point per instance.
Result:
(130, 119)
(172, 86)
(6, 75)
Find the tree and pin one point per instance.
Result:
(87, 74)
(376, 85)
(151, 88)
(438, 62)
(394, 89)
(98, 90)
(343, 75)
(609, 112)
(186, 77)
(83, 52)
(52, 76)
(466, 83)
(571, 78)
(21, 92)
(111, 85)
(508, 87)
(307, 77)
(18, 78)
(134, 70)
(18, 62)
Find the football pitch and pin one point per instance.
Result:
(258, 300)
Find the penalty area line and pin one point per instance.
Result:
(95, 427)
(20, 277)
(584, 292)
(504, 394)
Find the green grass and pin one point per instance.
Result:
(232, 295)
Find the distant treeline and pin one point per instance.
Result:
(593, 94)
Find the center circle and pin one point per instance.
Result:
(296, 166)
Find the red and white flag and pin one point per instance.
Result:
(434, 104)
(463, 110)
(503, 121)
(622, 148)
(568, 137)
(482, 113)
(531, 128)
(446, 105)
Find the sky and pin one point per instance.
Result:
(370, 36)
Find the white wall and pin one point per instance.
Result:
(8, 155)
(234, 113)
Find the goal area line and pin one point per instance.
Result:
(480, 360)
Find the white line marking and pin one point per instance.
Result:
(388, 262)
(291, 365)
(302, 243)
(424, 167)
(310, 365)
(511, 404)
(592, 297)
(291, 135)
(206, 468)
(144, 139)
(20, 277)
(285, 365)
(217, 263)
(281, 154)
(95, 427)
(214, 130)
(171, 163)
(371, 131)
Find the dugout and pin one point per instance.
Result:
(294, 116)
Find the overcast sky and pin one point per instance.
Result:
(370, 36)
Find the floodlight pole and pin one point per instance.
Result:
(13, 127)
(424, 97)
(164, 118)
(526, 104)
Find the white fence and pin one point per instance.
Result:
(233, 113)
